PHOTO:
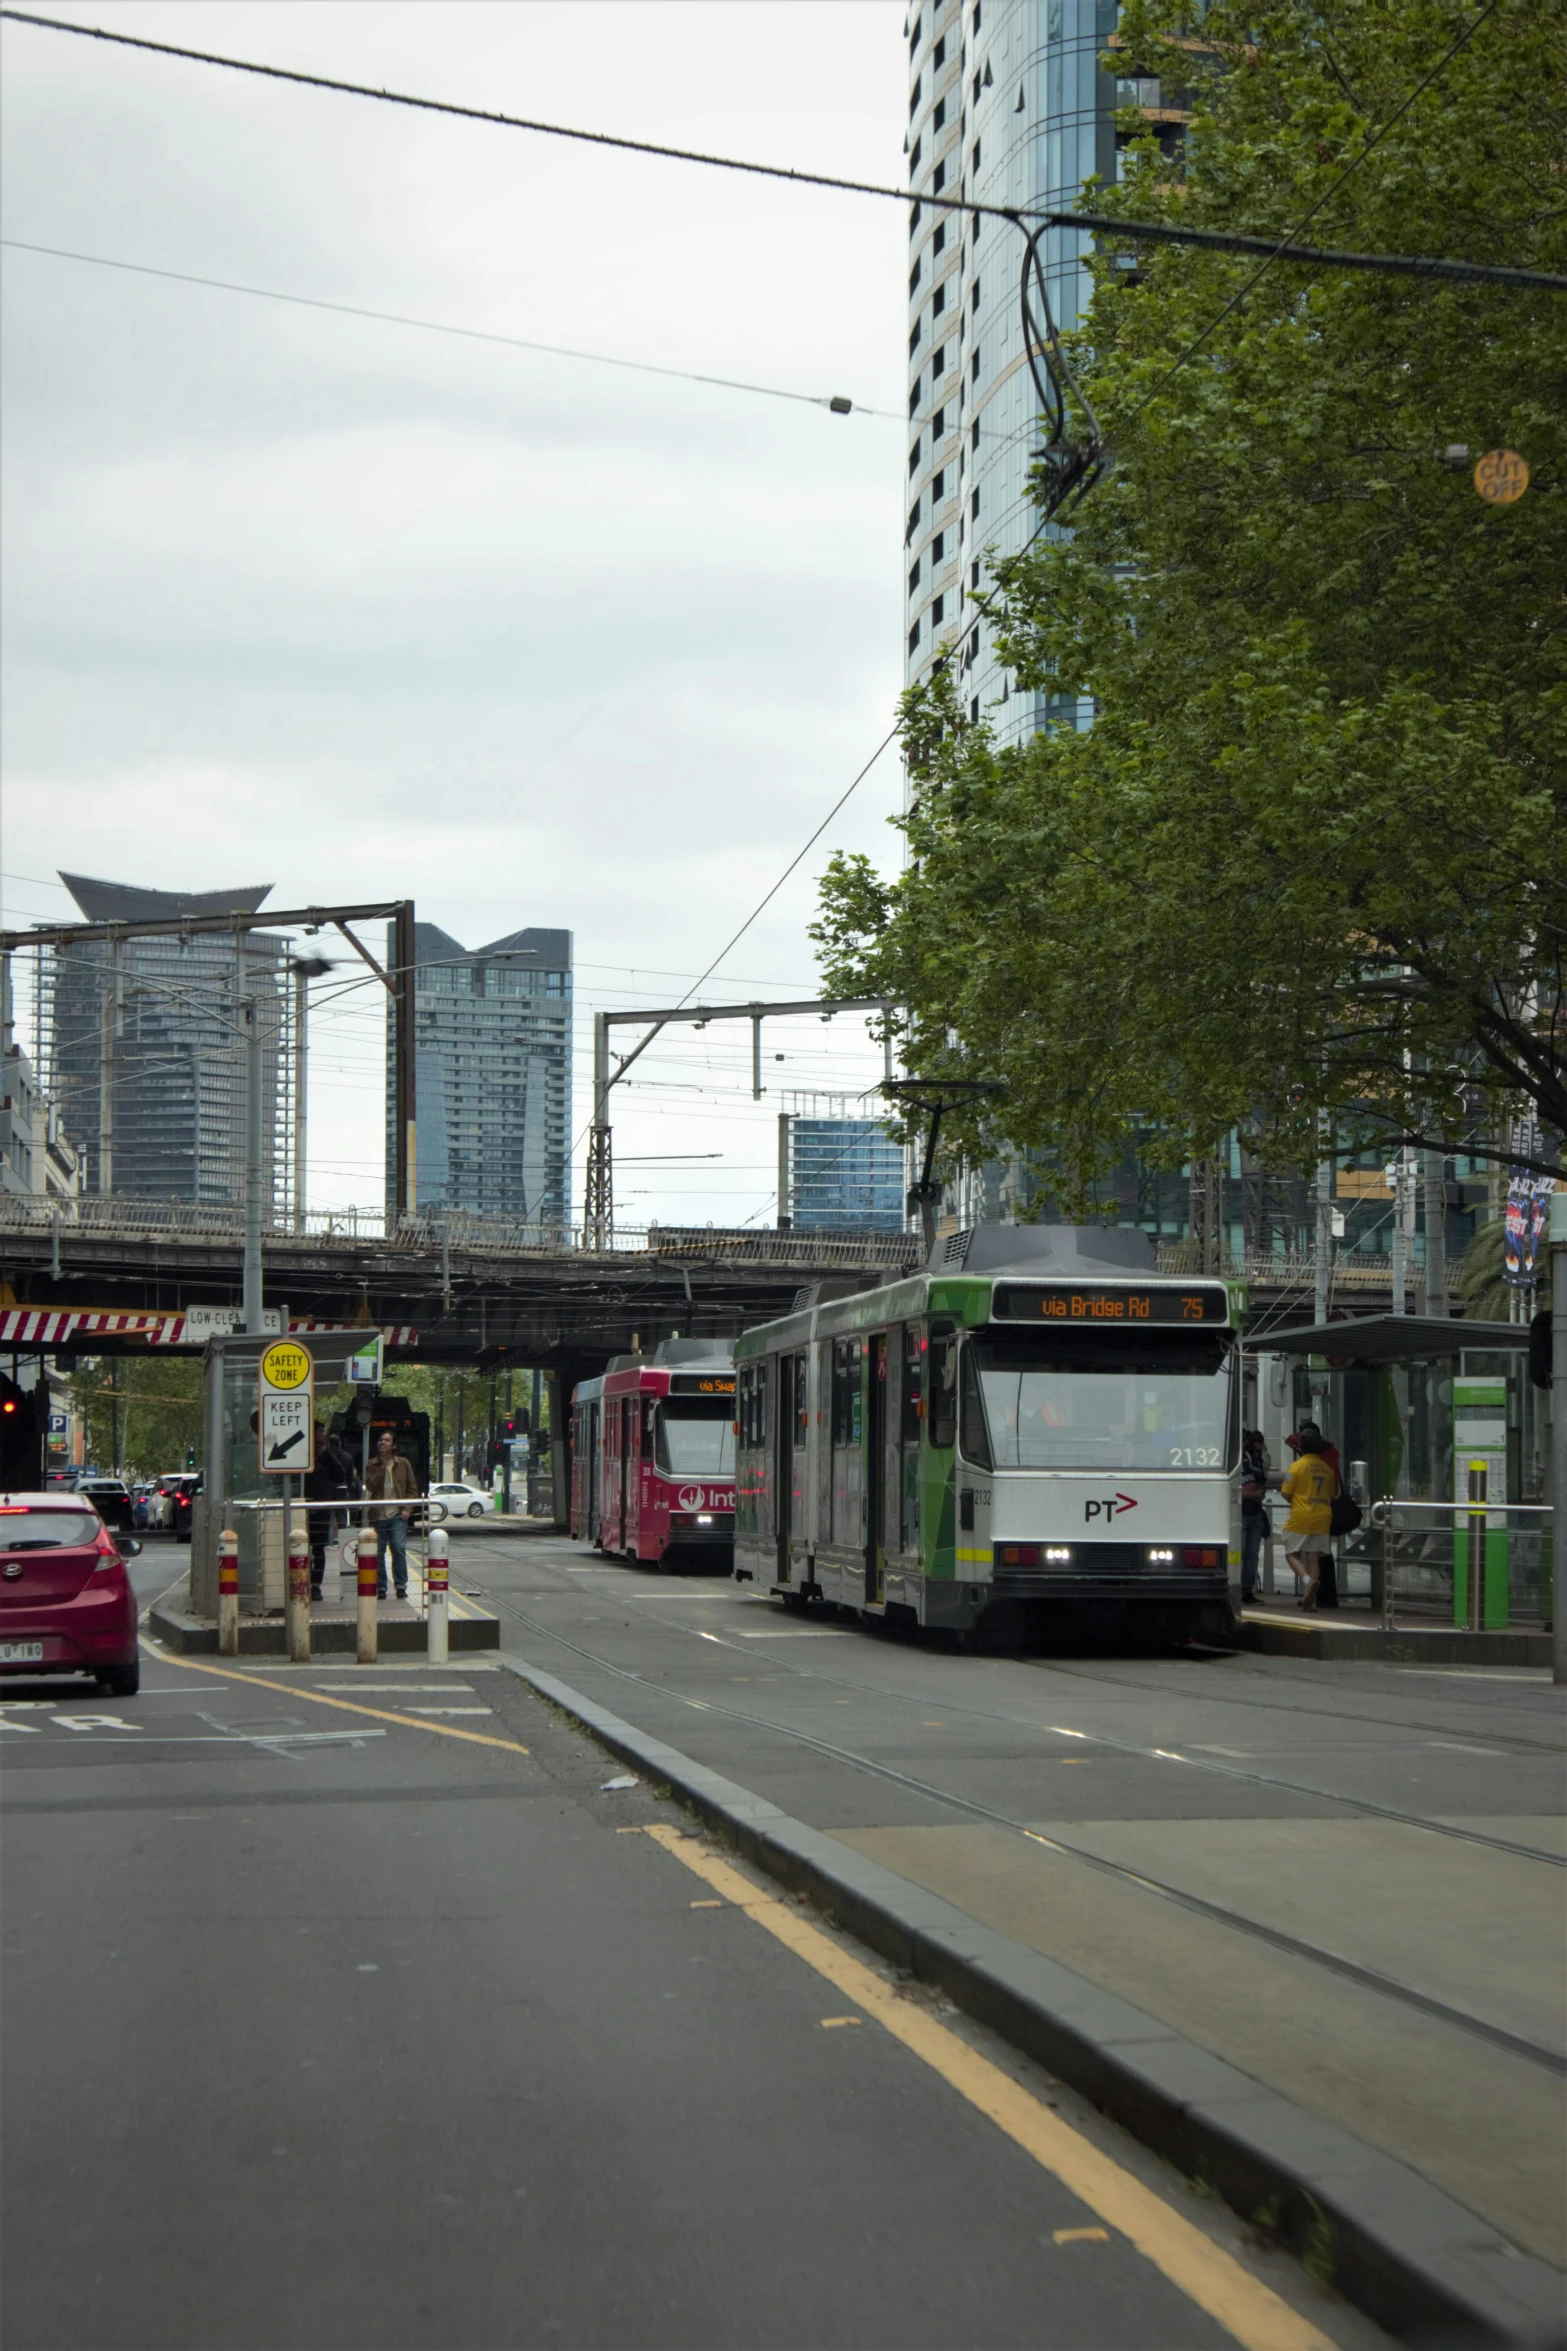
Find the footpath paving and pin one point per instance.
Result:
(1342, 1884)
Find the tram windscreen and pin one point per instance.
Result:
(1084, 1403)
(695, 1437)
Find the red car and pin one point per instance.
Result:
(66, 1604)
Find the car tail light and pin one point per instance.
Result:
(1201, 1555)
(108, 1553)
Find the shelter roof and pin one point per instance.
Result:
(1396, 1338)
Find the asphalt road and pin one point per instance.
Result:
(1345, 1879)
(370, 2024)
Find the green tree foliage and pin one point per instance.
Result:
(1311, 855)
(151, 1403)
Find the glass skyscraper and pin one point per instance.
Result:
(492, 1106)
(151, 1033)
(1008, 103)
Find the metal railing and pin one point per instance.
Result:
(1477, 1564)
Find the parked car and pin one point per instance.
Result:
(111, 1498)
(170, 1487)
(462, 1501)
(66, 1604)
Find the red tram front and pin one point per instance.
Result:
(662, 1429)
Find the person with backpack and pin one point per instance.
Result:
(1310, 1486)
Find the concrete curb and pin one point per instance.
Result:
(1409, 2255)
(264, 1636)
(1368, 1644)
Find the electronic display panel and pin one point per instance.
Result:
(703, 1383)
(1098, 1305)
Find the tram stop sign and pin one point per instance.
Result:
(286, 1421)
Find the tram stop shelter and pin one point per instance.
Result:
(1445, 1445)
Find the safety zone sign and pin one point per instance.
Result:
(286, 1422)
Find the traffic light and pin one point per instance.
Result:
(22, 1429)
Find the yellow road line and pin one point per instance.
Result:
(1202, 2270)
(410, 1722)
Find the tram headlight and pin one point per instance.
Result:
(1058, 1555)
(1161, 1558)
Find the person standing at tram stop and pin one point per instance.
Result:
(390, 1482)
(1254, 1509)
(1309, 1486)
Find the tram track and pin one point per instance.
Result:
(1364, 1805)
(1445, 1730)
(1319, 1955)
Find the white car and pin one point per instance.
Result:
(463, 1501)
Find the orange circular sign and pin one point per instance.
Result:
(1501, 477)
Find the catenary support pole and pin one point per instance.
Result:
(1434, 1171)
(435, 1596)
(1322, 1250)
(250, 1022)
(301, 1089)
(368, 1624)
(1557, 1234)
(298, 1581)
(228, 1593)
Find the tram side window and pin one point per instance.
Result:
(943, 1413)
(846, 1392)
(647, 1428)
(750, 1408)
(913, 1387)
(801, 1414)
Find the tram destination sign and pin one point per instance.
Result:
(692, 1383)
(1058, 1303)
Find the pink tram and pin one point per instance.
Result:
(653, 1455)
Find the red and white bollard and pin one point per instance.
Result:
(435, 1596)
(298, 1591)
(228, 1593)
(368, 1549)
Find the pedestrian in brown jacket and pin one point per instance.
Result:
(390, 1482)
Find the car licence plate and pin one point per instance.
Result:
(21, 1652)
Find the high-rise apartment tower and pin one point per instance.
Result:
(1008, 103)
(492, 1079)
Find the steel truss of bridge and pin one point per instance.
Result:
(466, 1289)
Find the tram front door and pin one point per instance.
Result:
(875, 1470)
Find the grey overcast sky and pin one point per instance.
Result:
(360, 610)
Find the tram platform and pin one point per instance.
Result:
(334, 1625)
(1349, 1636)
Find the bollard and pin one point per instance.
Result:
(299, 1595)
(228, 1593)
(368, 1548)
(435, 1590)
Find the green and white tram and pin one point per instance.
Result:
(1035, 1430)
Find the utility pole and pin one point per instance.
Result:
(301, 1087)
(250, 1024)
(1322, 1254)
(403, 976)
(113, 1024)
(598, 1206)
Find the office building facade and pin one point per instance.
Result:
(492, 1082)
(140, 1047)
(838, 1171)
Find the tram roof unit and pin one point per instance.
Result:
(676, 1366)
(966, 1268)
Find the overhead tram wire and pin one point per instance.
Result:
(1539, 281)
(435, 326)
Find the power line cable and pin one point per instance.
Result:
(1092, 222)
(836, 402)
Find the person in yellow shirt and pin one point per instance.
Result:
(1309, 1486)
